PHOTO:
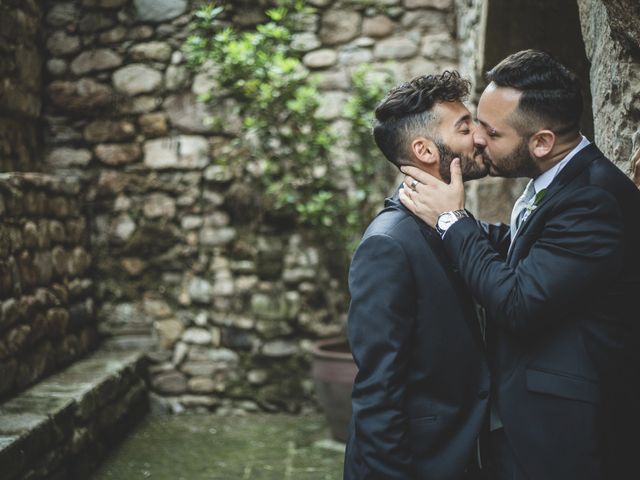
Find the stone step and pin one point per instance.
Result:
(61, 427)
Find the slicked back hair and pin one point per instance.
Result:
(407, 112)
(551, 96)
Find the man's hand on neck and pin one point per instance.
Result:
(427, 196)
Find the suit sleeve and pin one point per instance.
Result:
(381, 316)
(499, 236)
(578, 252)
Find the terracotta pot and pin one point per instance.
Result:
(333, 371)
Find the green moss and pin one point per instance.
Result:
(199, 447)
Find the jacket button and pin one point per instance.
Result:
(482, 394)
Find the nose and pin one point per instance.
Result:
(479, 139)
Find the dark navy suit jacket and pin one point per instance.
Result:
(562, 305)
(421, 392)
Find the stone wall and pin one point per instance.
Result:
(229, 304)
(63, 426)
(46, 311)
(615, 74)
(20, 84)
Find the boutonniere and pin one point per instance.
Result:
(536, 200)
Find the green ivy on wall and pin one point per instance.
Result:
(289, 146)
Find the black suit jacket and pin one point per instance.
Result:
(563, 331)
(421, 391)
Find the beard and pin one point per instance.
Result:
(470, 168)
(517, 163)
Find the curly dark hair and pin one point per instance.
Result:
(551, 93)
(406, 111)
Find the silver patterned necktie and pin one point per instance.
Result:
(519, 208)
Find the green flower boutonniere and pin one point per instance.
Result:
(536, 200)
(539, 196)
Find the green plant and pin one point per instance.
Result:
(278, 101)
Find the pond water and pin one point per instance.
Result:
(212, 447)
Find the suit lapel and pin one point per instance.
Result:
(578, 163)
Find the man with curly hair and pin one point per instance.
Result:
(421, 392)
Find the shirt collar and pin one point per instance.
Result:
(544, 180)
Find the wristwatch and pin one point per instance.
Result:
(446, 219)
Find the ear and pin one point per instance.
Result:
(541, 143)
(425, 151)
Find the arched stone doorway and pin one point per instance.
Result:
(508, 26)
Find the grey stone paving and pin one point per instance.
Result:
(212, 447)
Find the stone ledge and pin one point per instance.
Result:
(62, 426)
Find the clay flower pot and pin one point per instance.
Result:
(333, 371)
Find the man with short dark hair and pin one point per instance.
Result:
(559, 284)
(420, 395)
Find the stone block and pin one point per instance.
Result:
(395, 48)
(202, 385)
(57, 67)
(159, 10)
(339, 26)
(176, 77)
(197, 336)
(137, 78)
(322, 58)
(200, 290)
(108, 131)
(65, 157)
(439, 46)
(182, 152)
(378, 26)
(14, 340)
(43, 265)
(188, 114)
(436, 4)
(199, 368)
(62, 13)
(115, 35)
(305, 41)
(333, 80)
(168, 331)
(433, 21)
(118, 154)
(194, 401)
(157, 51)
(172, 383)
(60, 43)
(217, 236)
(280, 348)
(84, 95)
(57, 322)
(332, 106)
(153, 124)
(95, 61)
(139, 104)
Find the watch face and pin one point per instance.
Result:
(445, 220)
